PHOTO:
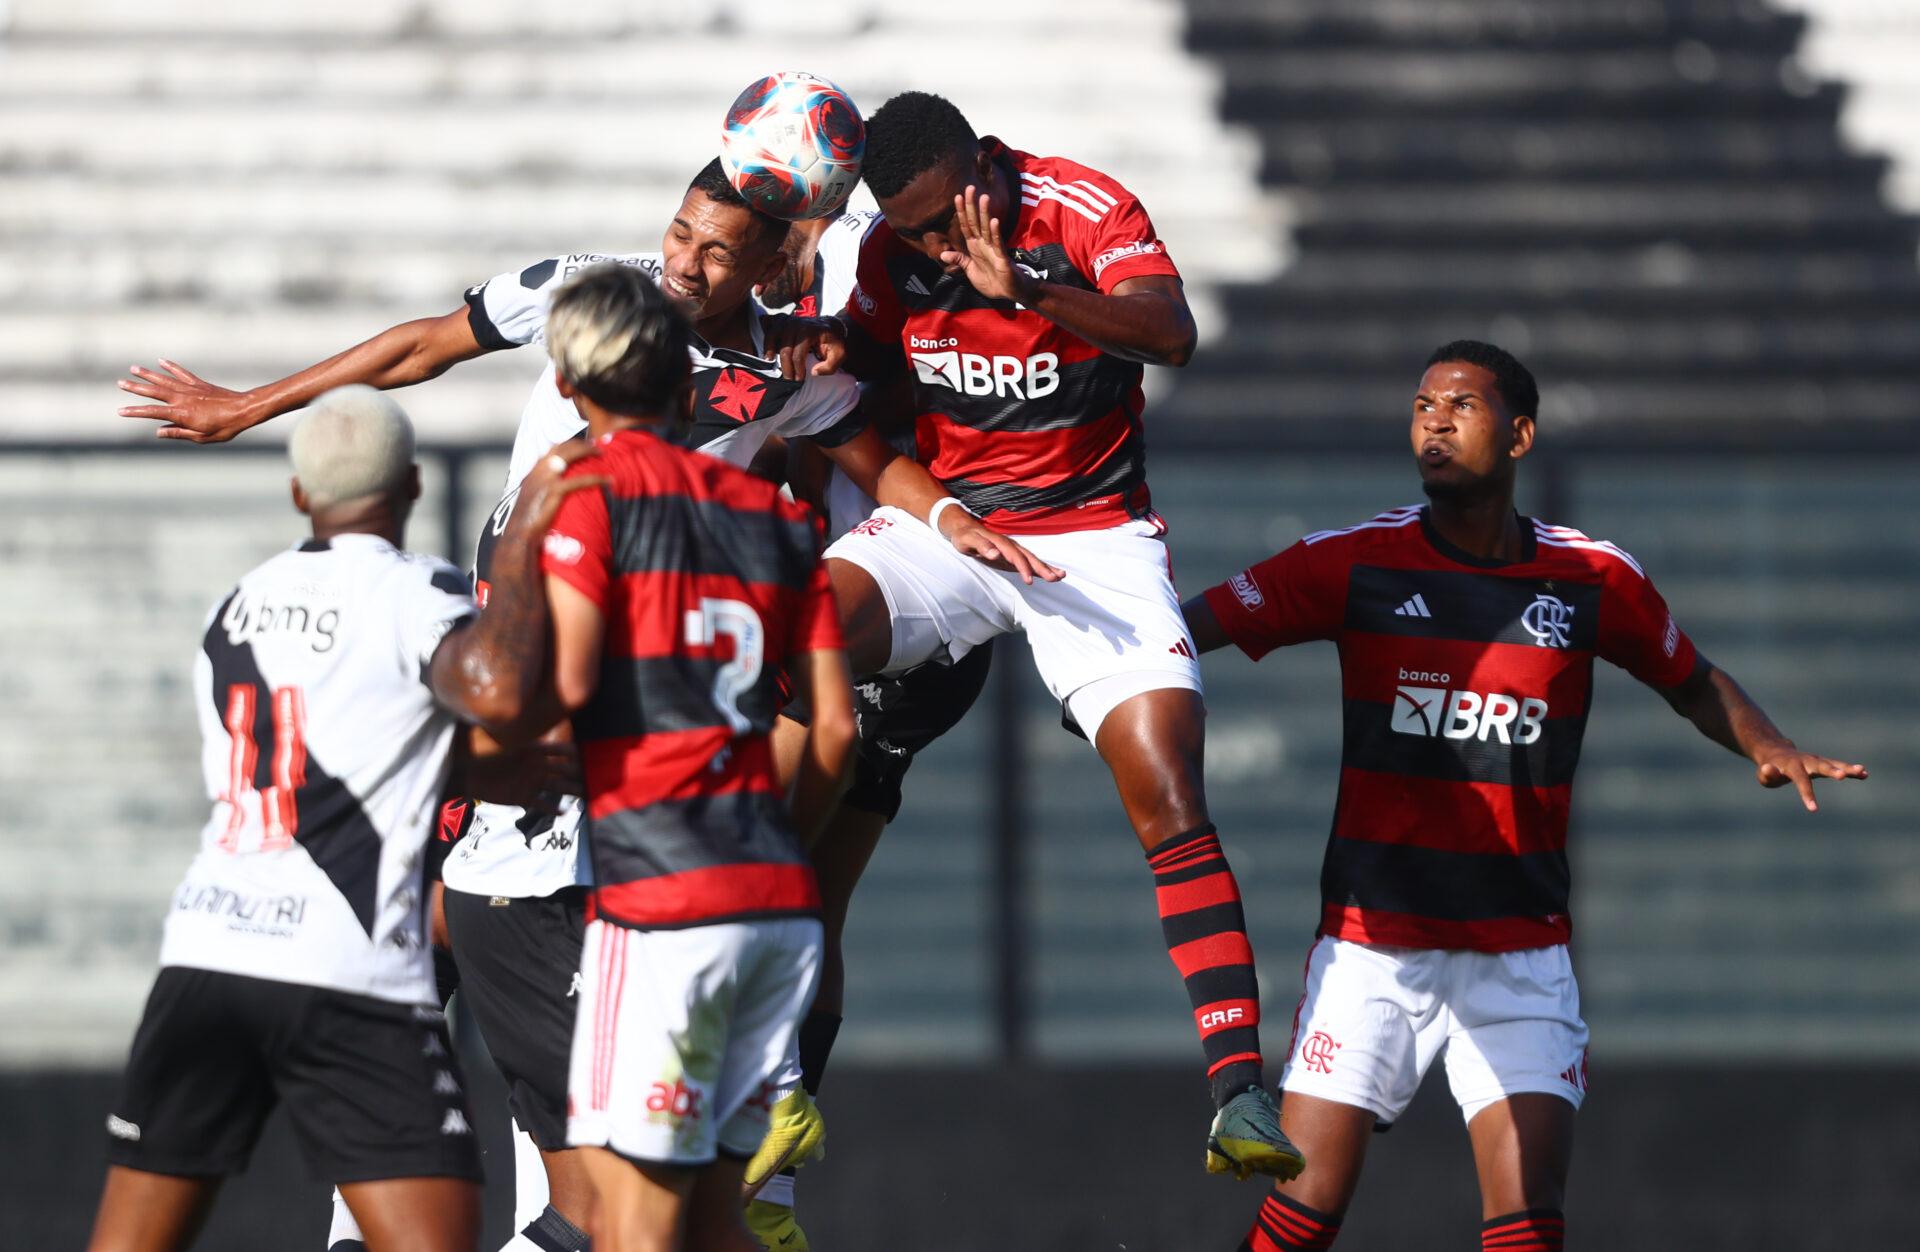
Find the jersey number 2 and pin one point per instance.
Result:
(736, 620)
(279, 816)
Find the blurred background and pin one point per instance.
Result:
(1695, 221)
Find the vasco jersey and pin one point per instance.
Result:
(1465, 686)
(1028, 424)
(324, 754)
(740, 400)
(710, 583)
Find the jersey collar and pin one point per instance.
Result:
(1463, 557)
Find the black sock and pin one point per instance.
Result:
(1534, 1230)
(817, 1033)
(550, 1232)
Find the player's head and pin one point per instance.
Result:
(619, 345)
(921, 153)
(718, 248)
(352, 454)
(1472, 420)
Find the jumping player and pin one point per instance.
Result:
(1024, 293)
(519, 956)
(1467, 635)
(295, 964)
(677, 597)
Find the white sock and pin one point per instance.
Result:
(779, 1190)
(343, 1226)
(530, 1193)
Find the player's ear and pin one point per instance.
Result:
(983, 167)
(1522, 437)
(299, 496)
(564, 387)
(770, 268)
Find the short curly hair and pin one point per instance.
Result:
(909, 135)
(1515, 381)
(713, 183)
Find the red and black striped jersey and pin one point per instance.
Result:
(710, 583)
(1024, 421)
(1465, 687)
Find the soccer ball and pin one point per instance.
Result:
(792, 145)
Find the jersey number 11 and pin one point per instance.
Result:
(287, 747)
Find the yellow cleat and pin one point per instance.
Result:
(1246, 1139)
(773, 1225)
(796, 1133)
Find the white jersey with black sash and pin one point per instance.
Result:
(325, 754)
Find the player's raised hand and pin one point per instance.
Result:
(190, 407)
(985, 262)
(547, 486)
(1779, 766)
(794, 339)
(971, 536)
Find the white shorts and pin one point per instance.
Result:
(681, 1035)
(1108, 631)
(1373, 1018)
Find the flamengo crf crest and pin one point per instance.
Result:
(1548, 619)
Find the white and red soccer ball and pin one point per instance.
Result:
(792, 145)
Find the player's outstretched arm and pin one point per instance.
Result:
(878, 469)
(1726, 714)
(824, 685)
(1145, 319)
(198, 411)
(491, 673)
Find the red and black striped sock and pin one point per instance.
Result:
(1287, 1226)
(1534, 1230)
(1206, 936)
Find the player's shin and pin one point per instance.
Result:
(1206, 935)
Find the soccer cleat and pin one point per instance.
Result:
(796, 1133)
(1246, 1139)
(773, 1225)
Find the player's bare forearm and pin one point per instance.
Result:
(831, 728)
(1204, 625)
(492, 673)
(1145, 319)
(399, 356)
(1722, 711)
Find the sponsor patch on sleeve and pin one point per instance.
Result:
(1672, 641)
(1143, 247)
(866, 302)
(1246, 590)
(564, 548)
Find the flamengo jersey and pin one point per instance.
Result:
(1466, 686)
(740, 400)
(1027, 423)
(324, 754)
(739, 397)
(710, 583)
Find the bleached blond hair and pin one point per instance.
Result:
(617, 340)
(353, 441)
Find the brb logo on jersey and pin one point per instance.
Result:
(970, 373)
(1548, 619)
(1437, 712)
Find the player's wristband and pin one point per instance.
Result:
(933, 514)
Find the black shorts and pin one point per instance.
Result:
(900, 716)
(372, 1087)
(519, 961)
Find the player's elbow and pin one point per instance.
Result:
(834, 731)
(1177, 353)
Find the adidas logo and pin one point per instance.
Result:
(1416, 607)
(444, 1083)
(1181, 649)
(455, 1123)
(917, 287)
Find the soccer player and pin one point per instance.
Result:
(1024, 293)
(1467, 635)
(518, 958)
(677, 597)
(294, 965)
